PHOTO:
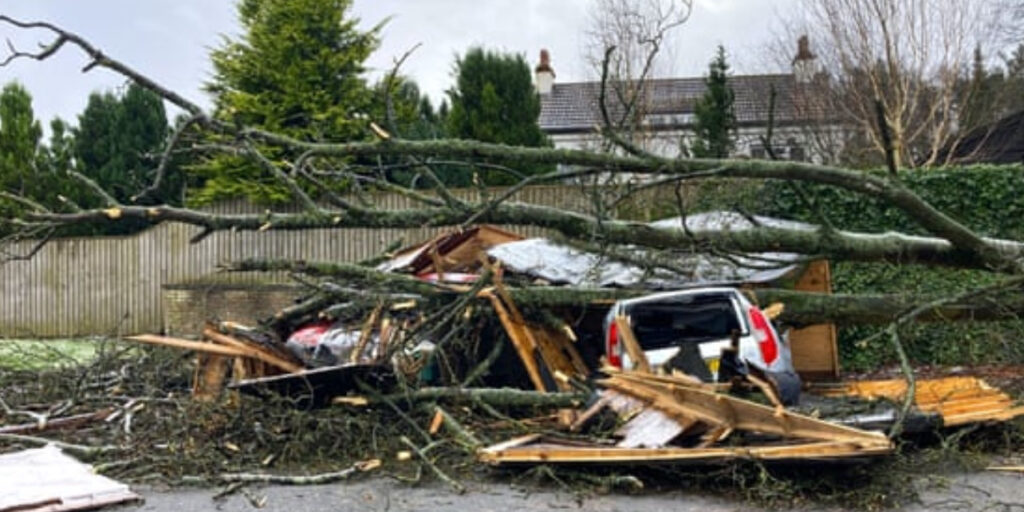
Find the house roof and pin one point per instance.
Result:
(1001, 142)
(574, 107)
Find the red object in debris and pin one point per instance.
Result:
(309, 335)
(764, 335)
(612, 349)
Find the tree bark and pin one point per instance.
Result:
(801, 308)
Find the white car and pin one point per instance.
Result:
(672, 328)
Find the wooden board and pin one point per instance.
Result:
(208, 381)
(252, 351)
(550, 452)
(958, 400)
(683, 402)
(814, 349)
(197, 346)
(632, 346)
(520, 340)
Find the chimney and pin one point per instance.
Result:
(804, 65)
(545, 76)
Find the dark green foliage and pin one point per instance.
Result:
(404, 111)
(296, 70)
(20, 135)
(117, 140)
(28, 167)
(408, 114)
(988, 199)
(54, 163)
(494, 101)
(715, 125)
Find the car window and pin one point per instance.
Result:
(689, 319)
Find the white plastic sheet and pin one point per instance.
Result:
(46, 480)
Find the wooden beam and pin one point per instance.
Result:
(632, 346)
(208, 381)
(365, 334)
(720, 409)
(197, 346)
(558, 453)
(253, 352)
(522, 344)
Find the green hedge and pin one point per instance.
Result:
(988, 199)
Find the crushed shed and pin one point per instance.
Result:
(701, 422)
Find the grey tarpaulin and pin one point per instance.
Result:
(560, 264)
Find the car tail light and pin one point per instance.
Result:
(612, 346)
(764, 335)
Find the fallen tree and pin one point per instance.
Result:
(948, 243)
(393, 415)
(801, 308)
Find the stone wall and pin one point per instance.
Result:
(187, 307)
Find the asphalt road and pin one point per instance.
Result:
(983, 491)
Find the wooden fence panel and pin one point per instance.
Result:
(112, 285)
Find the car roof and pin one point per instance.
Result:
(678, 293)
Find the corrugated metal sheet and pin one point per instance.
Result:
(112, 285)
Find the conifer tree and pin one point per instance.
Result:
(715, 125)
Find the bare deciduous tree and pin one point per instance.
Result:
(626, 43)
(908, 57)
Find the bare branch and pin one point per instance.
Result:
(63, 37)
(165, 158)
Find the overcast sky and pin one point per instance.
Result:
(169, 40)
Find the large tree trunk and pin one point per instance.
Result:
(801, 308)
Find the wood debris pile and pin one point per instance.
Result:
(401, 350)
(956, 400)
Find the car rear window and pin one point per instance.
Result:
(683, 319)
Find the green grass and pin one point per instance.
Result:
(46, 354)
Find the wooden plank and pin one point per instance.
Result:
(521, 343)
(196, 346)
(211, 372)
(682, 402)
(959, 400)
(514, 442)
(556, 453)
(556, 351)
(557, 355)
(628, 339)
(981, 416)
(248, 350)
(564, 345)
(814, 349)
(591, 411)
(365, 334)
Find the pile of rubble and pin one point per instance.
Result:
(456, 323)
(659, 413)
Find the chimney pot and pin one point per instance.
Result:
(804, 65)
(544, 74)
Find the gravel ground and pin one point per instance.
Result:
(988, 491)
